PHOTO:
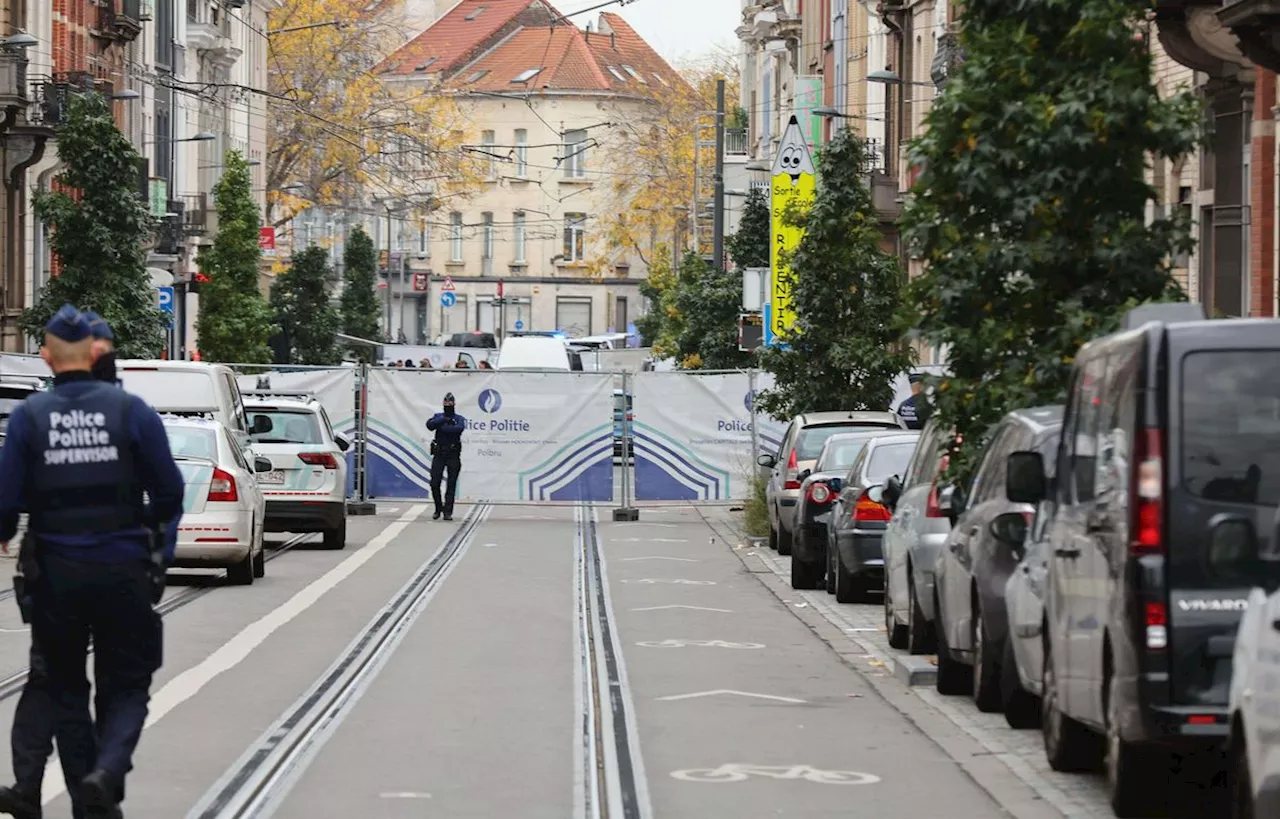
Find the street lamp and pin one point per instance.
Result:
(831, 113)
(203, 136)
(758, 166)
(20, 40)
(252, 163)
(125, 95)
(890, 77)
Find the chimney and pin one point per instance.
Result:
(612, 43)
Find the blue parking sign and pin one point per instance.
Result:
(166, 303)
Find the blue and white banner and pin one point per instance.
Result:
(530, 436)
(692, 436)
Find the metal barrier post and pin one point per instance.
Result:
(626, 512)
(755, 422)
(362, 505)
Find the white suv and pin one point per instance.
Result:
(306, 488)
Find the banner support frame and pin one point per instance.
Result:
(626, 512)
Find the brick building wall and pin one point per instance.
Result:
(1262, 173)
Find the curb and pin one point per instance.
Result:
(914, 670)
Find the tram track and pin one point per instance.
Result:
(11, 685)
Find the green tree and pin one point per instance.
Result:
(235, 321)
(360, 309)
(307, 312)
(749, 245)
(1029, 212)
(707, 301)
(844, 350)
(656, 326)
(100, 235)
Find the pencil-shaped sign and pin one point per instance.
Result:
(792, 181)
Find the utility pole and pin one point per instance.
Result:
(717, 207)
(388, 269)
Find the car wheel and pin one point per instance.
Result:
(1069, 746)
(260, 556)
(805, 575)
(1021, 707)
(1131, 767)
(829, 560)
(847, 586)
(919, 630)
(986, 673)
(773, 538)
(336, 538)
(784, 541)
(897, 633)
(1241, 781)
(241, 573)
(954, 677)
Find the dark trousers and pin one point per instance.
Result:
(35, 721)
(110, 603)
(441, 461)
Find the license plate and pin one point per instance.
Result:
(274, 476)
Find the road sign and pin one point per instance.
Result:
(165, 298)
(519, 324)
(792, 182)
(448, 299)
(447, 287)
(419, 282)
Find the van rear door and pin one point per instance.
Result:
(1223, 445)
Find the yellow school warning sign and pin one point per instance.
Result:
(792, 181)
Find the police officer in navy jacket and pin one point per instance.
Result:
(446, 453)
(78, 459)
(909, 410)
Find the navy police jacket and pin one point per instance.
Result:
(448, 430)
(78, 460)
(909, 414)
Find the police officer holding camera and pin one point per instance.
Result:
(446, 453)
(78, 460)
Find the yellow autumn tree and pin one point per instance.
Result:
(338, 131)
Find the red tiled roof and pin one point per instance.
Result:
(453, 38)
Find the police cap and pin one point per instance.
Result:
(98, 326)
(68, 324)
(448, 399)
(915, 378)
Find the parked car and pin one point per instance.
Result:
(622, 416)
(475, 338)
(1023, 660)
(799, 449)
(818, 490)
(306, 486)
(190, 388)
(13, 391)
(987, 537)
(855, 559)
(223, 510)
(1171, 424)
(912, 541)
(1254, 703)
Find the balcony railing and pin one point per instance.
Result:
(874, 159)
(119, 21)
(735, 142)
(49, 94)
(195, 214)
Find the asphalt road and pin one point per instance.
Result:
(529, 662)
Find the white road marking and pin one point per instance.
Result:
(15, 630)
(490, 545)
(694, 608)
(650, 581)
(681, 559)
(648, 540)
(405, 795)
(696, 644)
(739, 772)
(646, 523)
(718, 691)
(233, 652)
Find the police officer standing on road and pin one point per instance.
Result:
(909, 410)
(446, 453)
(78, 459)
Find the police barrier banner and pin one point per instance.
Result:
(530, 436)
(333, 387)
(692, 436)
(771, 429)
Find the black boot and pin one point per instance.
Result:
(99, 791)
(448, 516)
(436, 516)
(23, 803)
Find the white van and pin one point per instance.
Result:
(536, 353)
(188, 388)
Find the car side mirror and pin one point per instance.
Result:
(949, 503)
(1009, 529)
(875, 493)
(261, 464)
(805, 474)
(1024, 480)
(342, 443)
(892, 492)
(767, 461)
(262, 424)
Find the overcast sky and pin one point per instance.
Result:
(677, 29)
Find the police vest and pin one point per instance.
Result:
(83, 479)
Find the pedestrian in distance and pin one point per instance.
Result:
(485, 365)
(446, 454)
(461, 364)
(909, 410)
(79, 459)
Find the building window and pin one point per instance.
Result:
(519, 238)
(575, 154)
(575, 235)
(455, 237)
(487, 140)
(573, 315)
(486, 252)
(620, 317)
(522, 153)
(526, 75)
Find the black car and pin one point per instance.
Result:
(1170, 444)
(856, 524)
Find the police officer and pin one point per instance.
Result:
(104, 349)
(78, 459)
(910, 412)
(446, 453)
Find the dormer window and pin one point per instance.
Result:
(473, 15)
(635, 74)
(479, 75)
(527, 74)
(615, 73)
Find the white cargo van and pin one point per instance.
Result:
(536, 353)
(189, 388)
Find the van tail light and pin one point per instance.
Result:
(324, 459)
(222, 488)
(819, 493)
(868, 510)
(1157, 626)
(1148, 488)
(793, 472)
(931, 508)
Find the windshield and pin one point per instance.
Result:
(171, 389)
(1231, 425)
(888, 460)
(840, 453)
(192, 442)
(287, 427)
(809, 444)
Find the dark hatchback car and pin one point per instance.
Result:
(855, 527)
(983, 549)
(1170, 445)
